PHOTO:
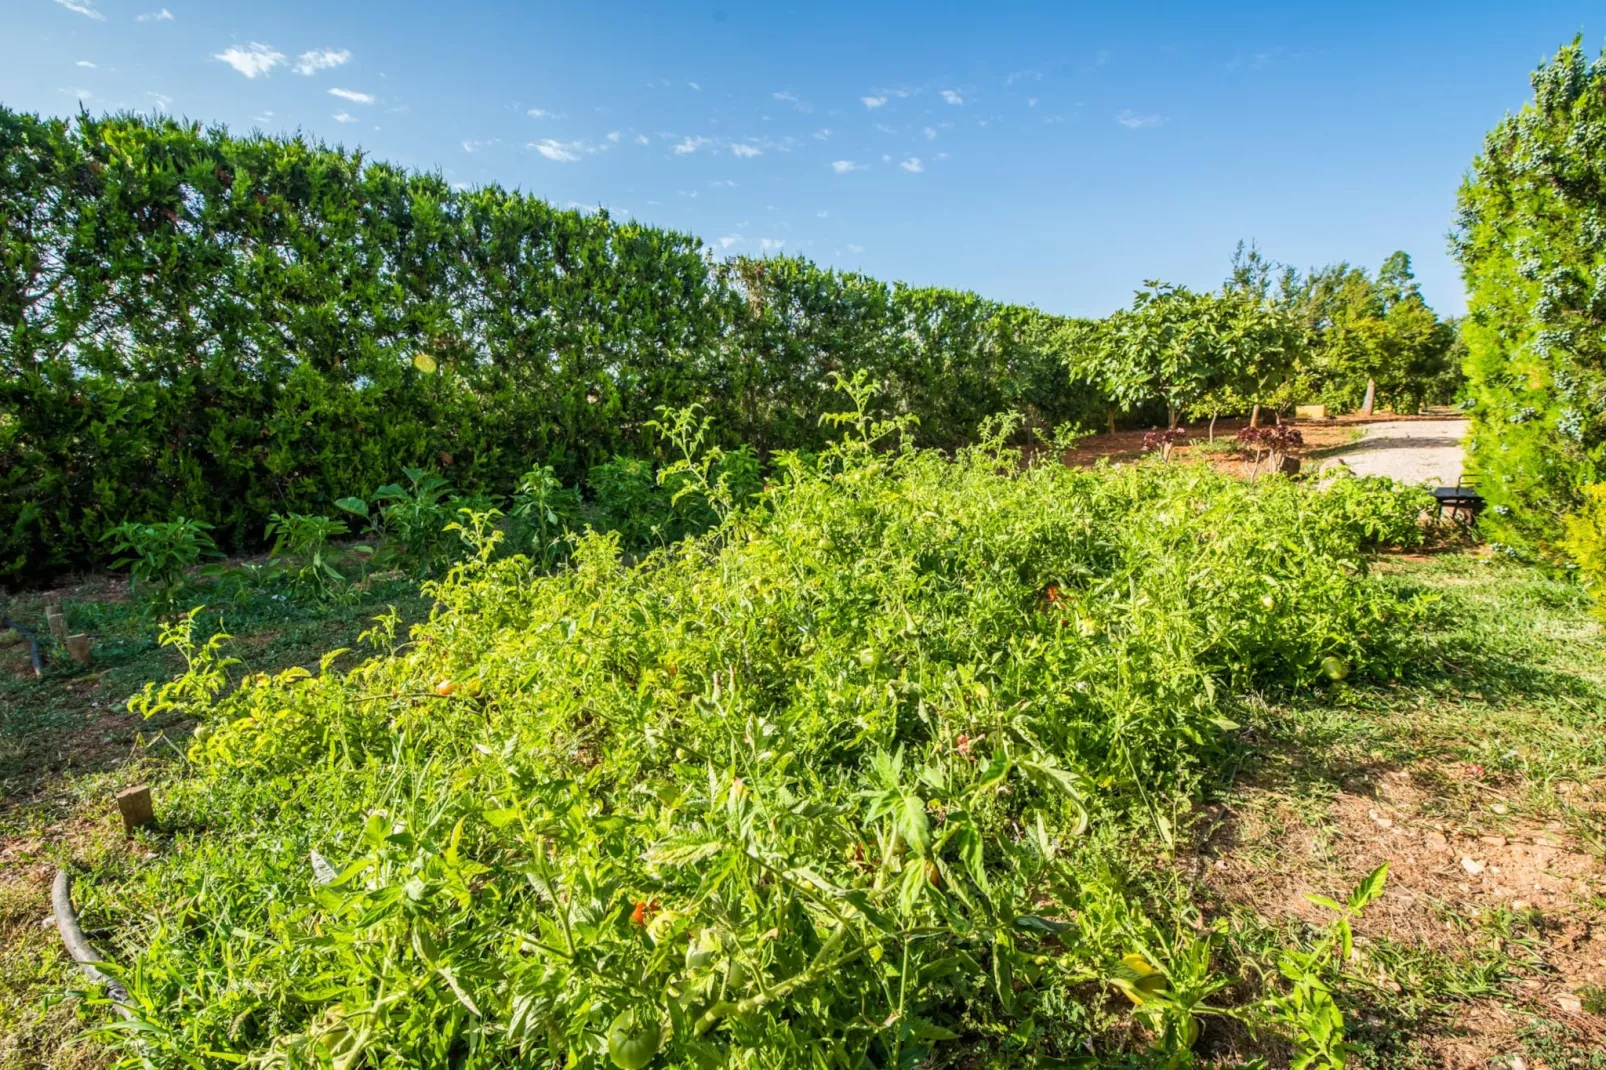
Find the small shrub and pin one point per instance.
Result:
(1164, 441)
(304, 540)
(1585, 541)
(1268, 444)
(413, 517)
(549, 510)
(157, 555)
(1380, 511)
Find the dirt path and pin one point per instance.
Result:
(1412, 451)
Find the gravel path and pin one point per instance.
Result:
(1412, 451)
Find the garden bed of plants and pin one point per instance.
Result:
(882, 770)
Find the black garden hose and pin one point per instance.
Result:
(33, 644)
(78, 945)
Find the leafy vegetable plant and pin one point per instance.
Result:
(874, 772)
(158, 554)
(304, 540)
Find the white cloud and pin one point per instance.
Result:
(1023, 75)
(343, 117)
(559, 151)
(771, 244)
(931, 134)
(822, 213)
(913, 165)
(952, 97)
(84, 63)
(352, 95)
(855, 248)
(472, 145)
(643, 139)
(1031, 102)
(842, 167)
(728, 183)
(873, 102)
(86, 9)
(729, 240)
(252, 61)
(822, 134)
(747, 152)
(81, 94)
(791, 98)
(614, 136)
(163, 100)
(163, 15)
(695, 86)
(540, 113)
(321, 59)
(691, 145)
(886, 157)
(885, 129)
(1138, 122)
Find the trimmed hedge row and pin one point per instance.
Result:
(223, 327)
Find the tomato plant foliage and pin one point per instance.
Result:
(852, 779)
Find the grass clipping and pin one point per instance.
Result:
(876, 770)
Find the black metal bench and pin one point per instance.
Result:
(1464, 502)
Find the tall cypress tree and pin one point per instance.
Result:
(1531, 239)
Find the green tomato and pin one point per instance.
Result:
(1334, 669)
(203, 732)
(870, 658)
(701, 951)
(634, 1038)
(1268, 602)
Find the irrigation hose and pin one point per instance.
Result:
(33, 644)
(78, 945)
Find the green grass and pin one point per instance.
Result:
(1498, 728)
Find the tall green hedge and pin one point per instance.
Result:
(219, 327)
(1532, 244)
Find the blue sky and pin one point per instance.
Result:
(1051, 154)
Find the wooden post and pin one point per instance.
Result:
(57, 621)
(135, 805)
(78, 647)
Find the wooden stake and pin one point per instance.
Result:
(57, 622)
(135, 805)
(78, 647)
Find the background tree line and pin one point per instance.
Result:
(194, 324)
(1271, 337)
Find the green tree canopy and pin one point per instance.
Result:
(1531, 239)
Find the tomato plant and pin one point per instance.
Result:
(834, 780)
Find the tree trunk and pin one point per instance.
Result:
(1254, 415)
(1212, 427)
(1371, 397)
(1170, 418)
(1111, 414)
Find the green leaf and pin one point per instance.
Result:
(1369, 888)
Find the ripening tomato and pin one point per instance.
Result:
(444, 688)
